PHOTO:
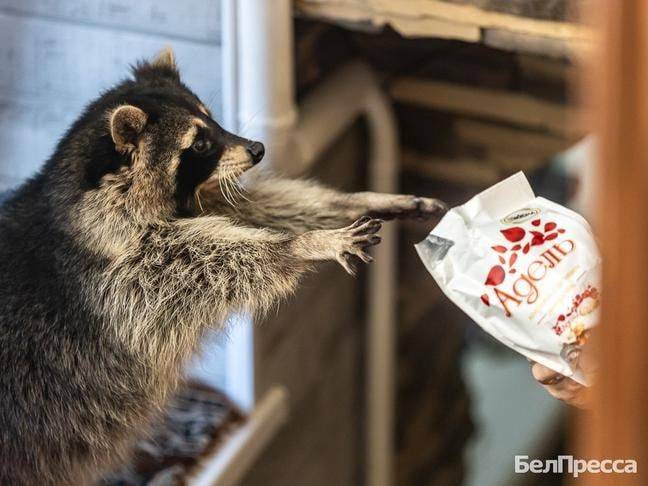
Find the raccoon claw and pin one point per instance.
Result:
(365, 257)
(348, 260)
(361, 221)
(354, 241)
(366, 226)
(345, 260)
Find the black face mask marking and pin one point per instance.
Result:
(197, 164)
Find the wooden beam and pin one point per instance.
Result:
(472, 15)
(505, 106)
(350, 12)
(508, 162)
(505, 139)
(461, 171)
(550, 47)
(540, 68)
(434, 18)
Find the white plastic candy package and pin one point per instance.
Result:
(527, 270)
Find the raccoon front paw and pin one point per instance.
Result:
(408, 207)
(352, 242)
(428, 207)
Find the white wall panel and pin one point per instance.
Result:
(51, 69)
(198, 20)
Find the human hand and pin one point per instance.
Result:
(560, 387)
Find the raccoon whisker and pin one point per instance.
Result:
(241, 193)
(236, 180)
(222, 190)
(232, 180)
(238, 192)
(226, 185)
(197, 195)
(240, 189)
(230, 197)
(223, 187)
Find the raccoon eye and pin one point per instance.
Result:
(201, 146)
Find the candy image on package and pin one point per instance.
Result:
(525, 269)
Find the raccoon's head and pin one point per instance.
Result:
(149, 145)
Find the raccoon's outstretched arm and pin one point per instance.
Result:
(197, 270)
(300, 205)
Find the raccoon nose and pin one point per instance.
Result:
(256, 151)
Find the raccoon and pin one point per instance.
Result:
(138, 234)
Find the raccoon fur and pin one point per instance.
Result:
(138, 234)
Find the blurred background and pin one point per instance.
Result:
(378, 380)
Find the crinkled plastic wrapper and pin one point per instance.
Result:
(527, 270)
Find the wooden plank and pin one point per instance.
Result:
(545, 46)
(515, 141)
(472, 15)
(167, 18)
(412, 18)
(462, 171)
(510, 107)
(508, 162)
(558, 10)
(433, 27)
(538, 67)
(350, 15)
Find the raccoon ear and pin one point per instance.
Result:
(161, 66)
(126, 125)
(165, 59)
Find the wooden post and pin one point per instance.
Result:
(617, 428)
